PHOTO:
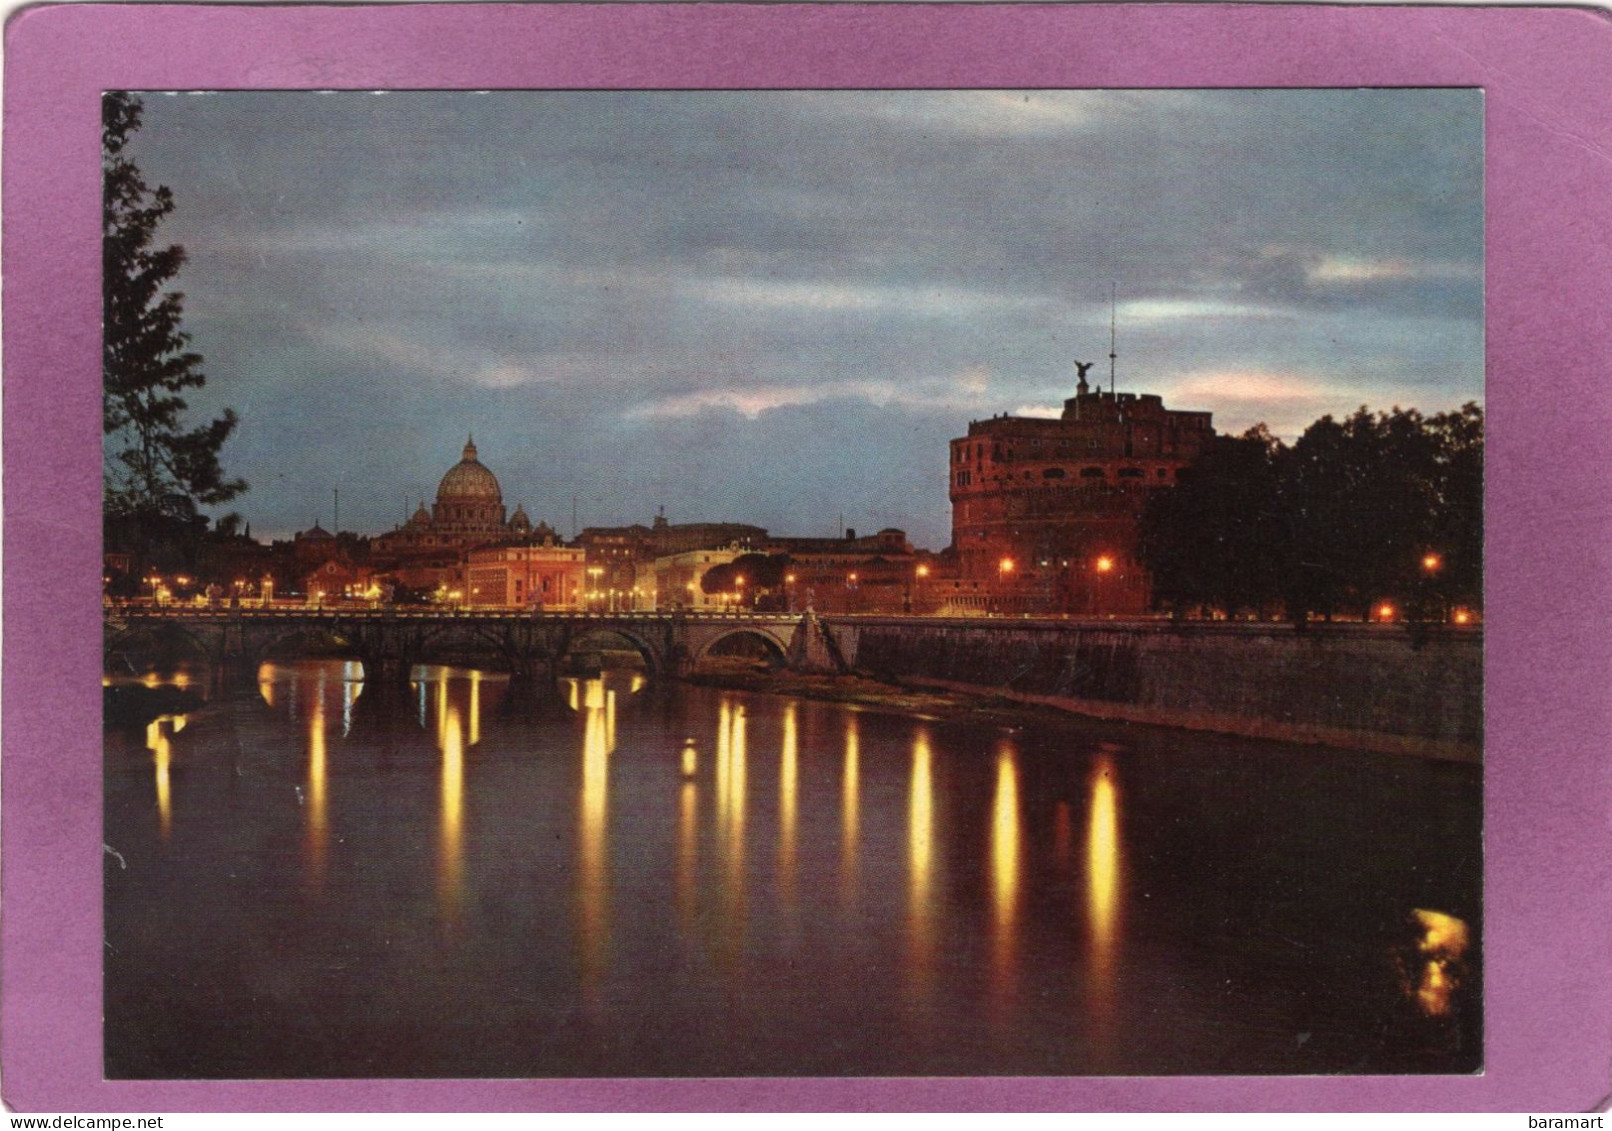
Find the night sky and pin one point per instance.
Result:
(777, 308)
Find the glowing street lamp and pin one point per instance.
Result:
(923, 571)
(1385, 612)
(1005, 566)
(1105, 564)
(1432, 563)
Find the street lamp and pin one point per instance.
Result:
(1432, 563)
(1103, 565)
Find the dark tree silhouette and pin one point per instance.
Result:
(1218, 538)
(1376, 507)
(155, 467)
(763, 578)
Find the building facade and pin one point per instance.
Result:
(876, 573)
(677, 579)
(536, 573)
(468, 511)
(1045, 511)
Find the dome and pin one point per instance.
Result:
(468, 481)
(518, 521)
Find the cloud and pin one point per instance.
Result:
(835, 296)
(426, 359)
(1145, 311)
(736, 272)
(1344, 269)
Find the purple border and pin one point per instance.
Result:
(1549, 121)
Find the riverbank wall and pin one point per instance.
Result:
(1374, 687)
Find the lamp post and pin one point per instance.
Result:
(1103, 565)
(1426, 604)
(1004, 570)
(919, 572)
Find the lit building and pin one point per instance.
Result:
(338, 580)
(621, 559)
(468, 512)
(677, 578)
(533, 573)
(427, 553)
(876, 573)
(1045, 511)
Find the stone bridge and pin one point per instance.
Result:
(389, 642)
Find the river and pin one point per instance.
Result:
(314, 879)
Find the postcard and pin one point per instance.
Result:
(646, 556)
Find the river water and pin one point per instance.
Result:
(305, 880)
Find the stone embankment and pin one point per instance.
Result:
(1374, 687)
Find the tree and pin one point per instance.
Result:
(1458, 485)
(762, 574)
(1218, 537)
(154, 467)
(1384, 506)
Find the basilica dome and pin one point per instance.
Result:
(469, 482)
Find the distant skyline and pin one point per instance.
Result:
(778, 307)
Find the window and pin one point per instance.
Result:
(1092, 473)
(1163, 474)
(1053, 473)
(1131, 473)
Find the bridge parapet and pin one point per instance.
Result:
(392, 640)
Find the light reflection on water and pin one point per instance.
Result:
(1005, 871)
(727, 867)
(158, 741)
(1103, 860)
(788, 803)
(317, 828)
(850, 814)
(920, 864)
(593, 875)
(1442, 948)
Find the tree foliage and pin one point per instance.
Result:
(1348, 516)
(762, 574)
(154, 464)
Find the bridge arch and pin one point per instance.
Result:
(774, 649)
(302, 642)
(466, 644)
(654, 660)
(171, 640)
